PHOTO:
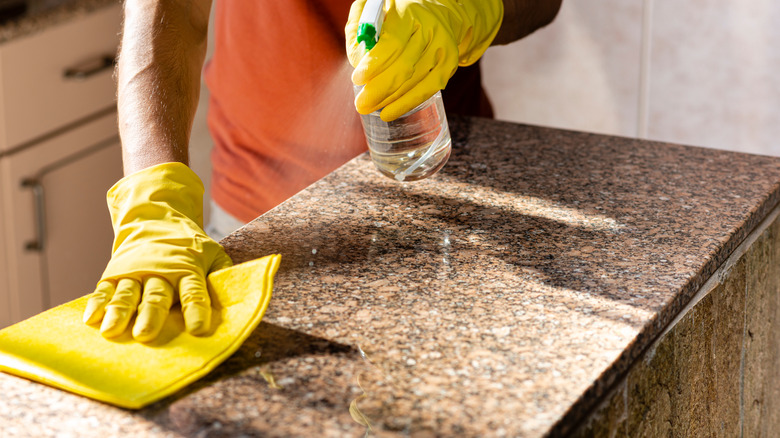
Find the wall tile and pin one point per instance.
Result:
(692, 387)
(727, 347)
(712, 79)
(609, 419)
(580, 72)
(760, 342)
(651, 391)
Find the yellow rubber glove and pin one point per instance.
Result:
(159, 249)
(421, 44)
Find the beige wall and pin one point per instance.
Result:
(698, 72)
(200, 139)
(581, 72)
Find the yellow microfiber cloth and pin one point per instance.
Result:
(58, 349)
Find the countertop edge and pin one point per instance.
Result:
(589, 401)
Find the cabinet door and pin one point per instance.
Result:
(58, 229)
(77, 224)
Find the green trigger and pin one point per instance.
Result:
(366, 34)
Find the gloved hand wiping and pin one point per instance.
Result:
(421, 45)
(160, 255)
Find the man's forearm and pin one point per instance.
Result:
(523, 17)
(158, 79)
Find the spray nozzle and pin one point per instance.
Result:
(370, 23)
(367, 35)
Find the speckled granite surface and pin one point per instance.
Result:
(41, 14)
(503, 297)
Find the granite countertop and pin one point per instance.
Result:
(504, 296)
(42, 14)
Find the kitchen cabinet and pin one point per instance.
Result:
(57, 77)
(59, 154)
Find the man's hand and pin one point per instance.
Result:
(160, 255)
(421, 44)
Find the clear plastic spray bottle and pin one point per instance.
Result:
(415, 145)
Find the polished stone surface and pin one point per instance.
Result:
(505, 296)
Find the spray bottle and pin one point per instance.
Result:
(417, 144)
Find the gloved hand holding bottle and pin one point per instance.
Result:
(422, 44)
(160, 255)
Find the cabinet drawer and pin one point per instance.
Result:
(55, 77)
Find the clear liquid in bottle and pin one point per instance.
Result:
(412, 147)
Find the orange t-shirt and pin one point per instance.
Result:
(281, 112)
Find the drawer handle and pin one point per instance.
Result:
(35, 184)
(91, 67)
(40, 215)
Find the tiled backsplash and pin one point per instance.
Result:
(696, 72)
